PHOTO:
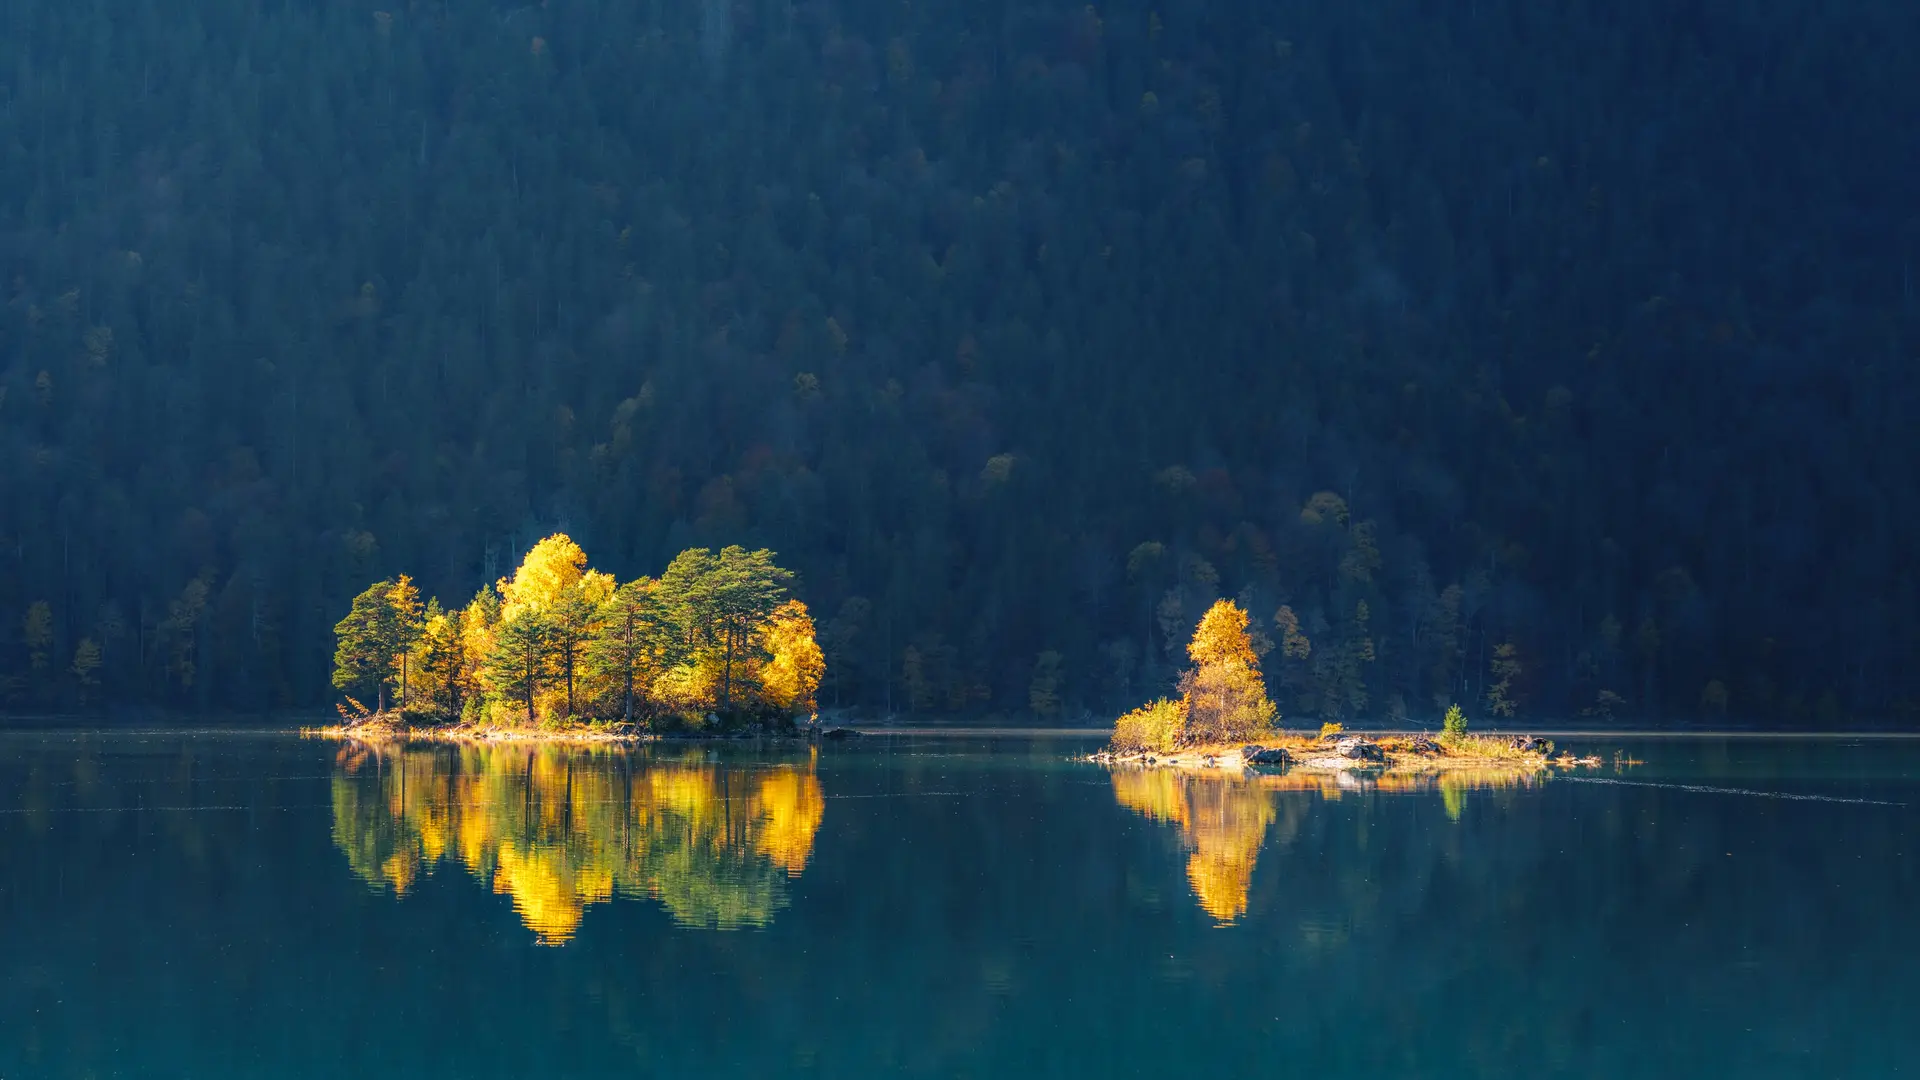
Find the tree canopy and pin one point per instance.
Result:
(717, 633)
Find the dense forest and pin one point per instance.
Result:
(1555, 348)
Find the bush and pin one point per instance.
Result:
(1456, 721)
(1157, 728)
(1329, 730)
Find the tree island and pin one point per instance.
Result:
(561, 651)
(1223, 719)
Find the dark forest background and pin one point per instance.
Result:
(1022, 329)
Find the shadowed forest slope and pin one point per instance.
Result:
(1546, 357)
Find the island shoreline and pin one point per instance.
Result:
(1352, 753)
(383, 731)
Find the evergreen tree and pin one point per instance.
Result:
(574, 618)
(522, 657)
(366, 644)
(86, 668)
(442, 660)
(408, 620)
(633, 642)
(720, 600)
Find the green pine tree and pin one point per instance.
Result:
(366, 643)
(633, 641)
(522, 657)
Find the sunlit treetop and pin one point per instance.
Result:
(1222, 637)
(553, 568)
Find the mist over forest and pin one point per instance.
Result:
(1440, 334)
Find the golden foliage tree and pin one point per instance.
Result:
(1225, 694)
(408, 616)
(791, 675)
(1222, 638)
(1222, 697)
(554, 566)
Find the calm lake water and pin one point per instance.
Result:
(262, 906)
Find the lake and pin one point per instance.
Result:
(214, 906)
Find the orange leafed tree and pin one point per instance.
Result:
(1226, 697)
(791, 675)
(1222, 697)
(1221, 638)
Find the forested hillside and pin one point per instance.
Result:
(1543, 356)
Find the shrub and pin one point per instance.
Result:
(1157, 728)
(1329, 730)
(1456, 721)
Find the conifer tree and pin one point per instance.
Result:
(721, 599)
(1503, 694)
(1043, 690)
(37, 630)
(1224, 693)
(521, 657)
(441, 661)
(407, 622)
(86, 667)
(573, 617)
(633, 641)
(366, 642)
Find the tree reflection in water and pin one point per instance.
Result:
(1225, 819)
(559, 828)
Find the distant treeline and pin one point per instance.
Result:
(1563, 352)
(715, 635)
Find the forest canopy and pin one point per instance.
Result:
(716, 634)
(1552, 359)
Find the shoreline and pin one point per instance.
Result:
(1357, 753)
(381, 731)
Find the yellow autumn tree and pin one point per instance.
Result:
(1225, 695)
(554, 567)
(554, 587)
(1222, 638)
(791, 673)
(1222, 697)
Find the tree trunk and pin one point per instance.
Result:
(533, 662)
(726, 673)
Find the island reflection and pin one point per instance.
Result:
(1225, 819)
(558, 828)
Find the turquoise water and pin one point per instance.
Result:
(261, 906)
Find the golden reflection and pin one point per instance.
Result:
(557, 829)
(1225, 818)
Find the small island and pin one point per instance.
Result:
(1223, 719)
(559, 652)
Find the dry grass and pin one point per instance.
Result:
(383, 728)
(1455, 753)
